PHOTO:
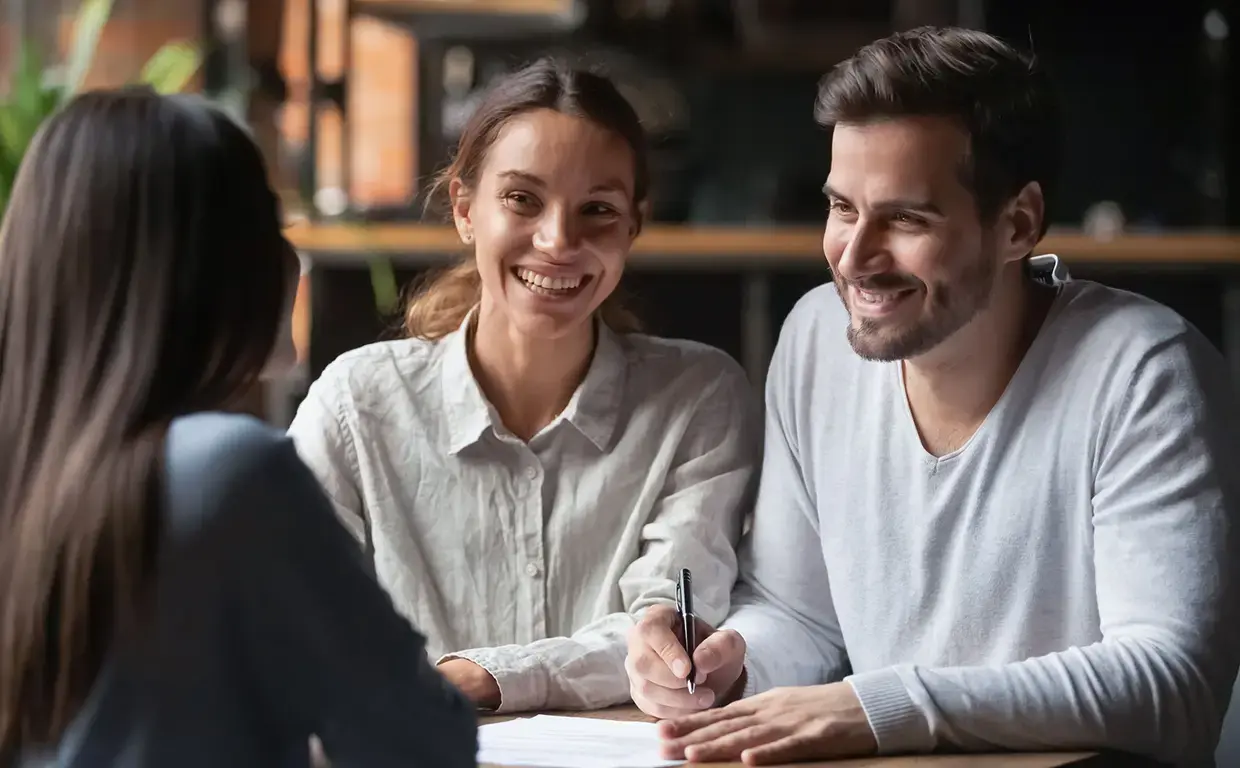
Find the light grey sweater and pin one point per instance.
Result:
(267, 628)
(1063, 580)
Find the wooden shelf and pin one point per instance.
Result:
(476, 18)
(749, 246)
(470, 7)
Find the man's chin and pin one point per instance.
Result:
(878, 346)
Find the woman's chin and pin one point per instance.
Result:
(549, 323)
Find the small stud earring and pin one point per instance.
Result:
(468, 237)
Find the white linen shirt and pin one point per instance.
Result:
(534, 559)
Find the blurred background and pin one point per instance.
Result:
(357, 102)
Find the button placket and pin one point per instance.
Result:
(535, 568)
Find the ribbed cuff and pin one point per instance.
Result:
(522, 680)
(751, 685)
(897, 723)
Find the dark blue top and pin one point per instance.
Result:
(268, 627)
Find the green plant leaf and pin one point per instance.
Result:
(9, 160)
(28, 103)
(26, 89)
(383, 282)
(8, 175)
(171, 68)
(88, 25)
(53, 99)
(12, 133)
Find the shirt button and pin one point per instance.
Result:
(532, 570)
(531, 472)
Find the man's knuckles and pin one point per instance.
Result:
(648, 665)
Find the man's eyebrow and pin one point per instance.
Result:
(916, 206)
(902, 204)
(828, 191)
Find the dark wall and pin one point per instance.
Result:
(1136, 88)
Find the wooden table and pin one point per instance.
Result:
(1040, 760)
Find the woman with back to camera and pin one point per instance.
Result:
(174, 587)
(527, 471)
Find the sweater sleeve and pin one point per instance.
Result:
(782, 604)
(1159, 680)
(325, 643)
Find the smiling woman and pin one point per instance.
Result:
(527, 471)
(530, 119)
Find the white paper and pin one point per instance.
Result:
(549, 741)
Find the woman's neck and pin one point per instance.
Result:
(529, 381)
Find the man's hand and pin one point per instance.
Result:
(784, 725)
(658, 665)
(475, 682)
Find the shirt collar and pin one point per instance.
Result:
(593, 409)
(595, 406)
(467, 410)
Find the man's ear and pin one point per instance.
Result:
(460, 197)
(1021, 225)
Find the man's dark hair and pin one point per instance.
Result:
(998, 94)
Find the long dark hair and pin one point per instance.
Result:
(440, 306)
(141, 278)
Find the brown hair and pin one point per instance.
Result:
(441, 303)
(141, 278)
(999, 95)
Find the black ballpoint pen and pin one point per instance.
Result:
(684, 606)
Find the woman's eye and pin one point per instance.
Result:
(599, 209)
(520, 201)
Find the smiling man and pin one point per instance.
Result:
(996, 507)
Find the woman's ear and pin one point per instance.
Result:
(639, 218)
(460, 198)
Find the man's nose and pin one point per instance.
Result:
(865, 254)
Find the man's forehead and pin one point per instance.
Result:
(916, 156)
(906, 130)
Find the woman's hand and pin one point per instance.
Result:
(472, 680)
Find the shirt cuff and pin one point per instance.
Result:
(898, 725)
(522, 680)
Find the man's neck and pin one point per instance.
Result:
(952, 388)
(529, 381)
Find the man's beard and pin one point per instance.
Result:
(953, 305)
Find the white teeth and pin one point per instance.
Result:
(532, 278)
(870, 297)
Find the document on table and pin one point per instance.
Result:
(548, 741)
